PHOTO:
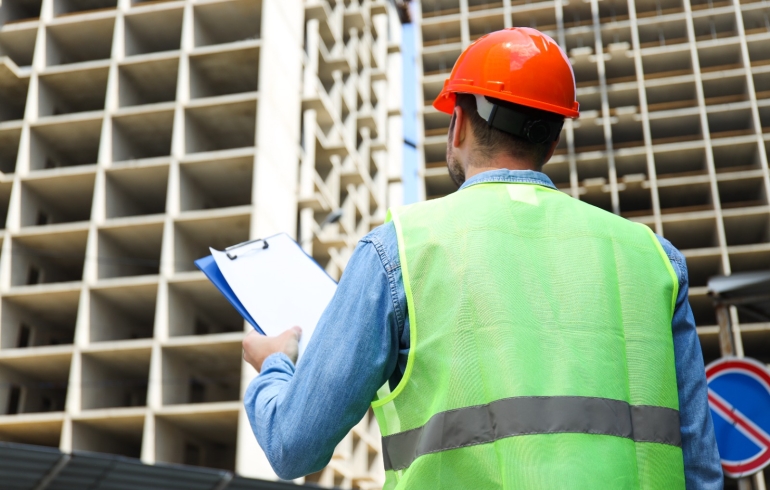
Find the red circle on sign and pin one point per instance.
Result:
(724, 409)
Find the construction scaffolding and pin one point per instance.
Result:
(675, 109)
(133, 136)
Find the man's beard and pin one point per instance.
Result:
(456, 170)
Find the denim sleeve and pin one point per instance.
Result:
(702, 467)
(299, 414)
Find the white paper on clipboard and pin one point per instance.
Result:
(280, 286)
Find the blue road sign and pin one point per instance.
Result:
(739, 398)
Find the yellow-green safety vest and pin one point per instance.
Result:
(541, 353)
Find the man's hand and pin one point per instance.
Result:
(256, 347)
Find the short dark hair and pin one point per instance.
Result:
(492, 141)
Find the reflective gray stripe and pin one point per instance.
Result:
(531, 415)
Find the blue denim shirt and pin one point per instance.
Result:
(299, 414)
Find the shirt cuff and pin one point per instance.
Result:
(277, 362)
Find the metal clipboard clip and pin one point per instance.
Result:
(233, 247)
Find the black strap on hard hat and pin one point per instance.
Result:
(535, 126)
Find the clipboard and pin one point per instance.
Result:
(272, 283)
(209, 267)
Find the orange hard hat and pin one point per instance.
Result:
(518, 65)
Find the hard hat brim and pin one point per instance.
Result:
(445, 102)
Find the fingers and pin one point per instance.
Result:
(247, 339)
(257, 347)
(293, 333)
(290, 346)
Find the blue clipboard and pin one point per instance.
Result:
(209, 267)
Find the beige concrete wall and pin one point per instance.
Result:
(133, 136)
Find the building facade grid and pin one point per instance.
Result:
(133, 136)
(671, 126)
(673, 129)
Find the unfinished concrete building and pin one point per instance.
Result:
(133, 136)
(675, 108)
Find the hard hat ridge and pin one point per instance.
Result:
(519, 65)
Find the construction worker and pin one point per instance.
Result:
(507, 335)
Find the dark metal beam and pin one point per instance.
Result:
(402, 7)
(224, 482)
(54, 472)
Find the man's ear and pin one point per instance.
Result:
(552, 149)
(458, 128)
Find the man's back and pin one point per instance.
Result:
(363, 340)
(512, 350)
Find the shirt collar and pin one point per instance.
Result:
(511, 177)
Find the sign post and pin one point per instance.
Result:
(749, 293)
